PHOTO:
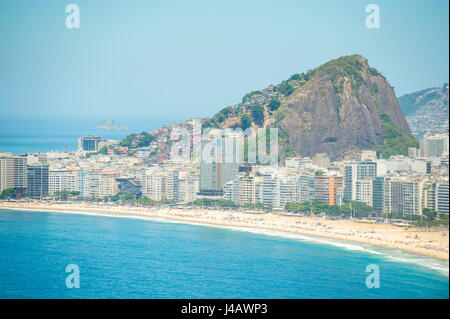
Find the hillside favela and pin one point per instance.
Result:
(327, 168)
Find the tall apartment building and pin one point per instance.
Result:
(38, 180)
(173, 184)
(109, 185)
(442, 198)
(364, 191)
(228, 191)
(64, 179)
(378, 195)
(154, 183)
(326, 188)
(13, 172)
(89, 143)
(305, 188)
(247, 189)
(96, 183)
(403, 195)
(219, 162)
(435, 196)
(355, 172)
(435, 144)
(187, 187)
(56, 180)
(278, 190)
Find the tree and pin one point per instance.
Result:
(128, 140)
(220, 117)
(64, 194)
(103, 150)
(356, 209)
(274, 104)
(444, 217)
(9, 193)
(138, 140)
(395, 215)
(257, 112)
(295, 77)
(246, 122)
(429, 214)
(285, 88)
(146, 201)
(128, 197)
(145, 139)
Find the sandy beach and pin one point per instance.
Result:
(431, 243)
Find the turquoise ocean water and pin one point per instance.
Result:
(136, 258)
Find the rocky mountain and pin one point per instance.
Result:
(426, 110)
(337, 108)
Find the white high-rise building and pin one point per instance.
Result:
(305, 188)
(60, 179)
(355, 172)
(13, 172)
(278, 190)
(435, 144)
(154, 183)
(187, 187)
(364, 191)
(442, 198)
(403, 195)
(97, 183)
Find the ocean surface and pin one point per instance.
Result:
(137, 258)
(30, 135)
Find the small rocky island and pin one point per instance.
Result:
(110, 125)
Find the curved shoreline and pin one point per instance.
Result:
(418, 242)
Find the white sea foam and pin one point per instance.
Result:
(392, 254)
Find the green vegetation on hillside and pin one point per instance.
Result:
(138, 140)
(283, 141)
(211, 123)
(246, 121)
(299, 77)
(396, 141)
(102, 151)
(284, 88)
(257, 112)
(348, 66)
(268, 105)
(344, 67)
(274, 104)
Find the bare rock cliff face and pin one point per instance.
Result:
(339, 109)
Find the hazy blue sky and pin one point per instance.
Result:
(180, 59)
